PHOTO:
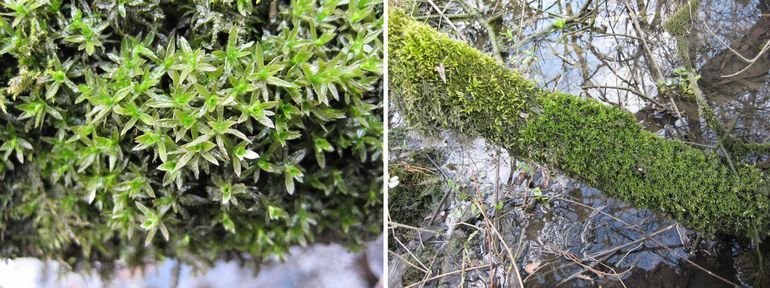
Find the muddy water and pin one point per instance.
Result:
(745, 97)
(656, 263)
(579, 221)
(607, 53)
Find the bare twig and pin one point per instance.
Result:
(451, 24)
(751, 61)
(502, 241)
(658, 75)
(490, 30)
(450, 274)
(409, 251)
(629, 89)
(399, 225)
(639, 229)
(407, 261)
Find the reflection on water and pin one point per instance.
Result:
(319, 265)
(744, 96)
(578, 220)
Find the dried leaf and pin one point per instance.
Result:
(531, 267)
(441, 72)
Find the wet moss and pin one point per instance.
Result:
(474, 85)
(679, 23)
(417, 191)
(413, 198)
(598, 144)
(137, 132)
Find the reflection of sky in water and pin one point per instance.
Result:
(549, 66)
(29, 272)
(727, 19)
(617, 233)
(325, 266)
(469, 162)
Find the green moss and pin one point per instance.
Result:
(215, 135)
(408, 199)
(418, 54)
(598, 144)
(678, 24)
(418, 188)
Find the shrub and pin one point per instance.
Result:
(136, 130)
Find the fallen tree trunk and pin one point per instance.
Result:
(442, 83)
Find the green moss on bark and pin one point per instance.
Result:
(679, 22)
(598, 144)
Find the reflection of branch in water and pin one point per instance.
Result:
(582, 15)
(740, 56)
(657, 74)
(632, 90)
(727, 144)
(751, 61)
(490, 30)
(579, 52)
(640, 230)
(435, 7)
(727, 46)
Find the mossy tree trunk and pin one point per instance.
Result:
(601, 145)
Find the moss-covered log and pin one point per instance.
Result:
(442, 83)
